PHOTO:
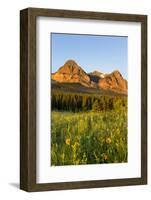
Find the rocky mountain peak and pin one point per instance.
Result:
(71, 67)
(70, 62)
(97, 74)
(117, 74)
(71, 72)
(114, 81)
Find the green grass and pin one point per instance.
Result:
(88, 137)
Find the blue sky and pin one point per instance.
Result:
(91, 52)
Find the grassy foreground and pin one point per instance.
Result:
(88, 137)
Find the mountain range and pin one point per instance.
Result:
(72, 77)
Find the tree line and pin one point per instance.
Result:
(85, 102)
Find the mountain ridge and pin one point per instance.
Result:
(71, 72)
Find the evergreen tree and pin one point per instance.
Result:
(84, 103)
(96, 106)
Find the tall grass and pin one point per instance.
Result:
(88, 137)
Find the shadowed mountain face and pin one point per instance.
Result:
(71, 73)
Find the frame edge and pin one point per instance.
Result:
(24, 99)
(27, 101)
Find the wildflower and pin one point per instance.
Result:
(108, 140)
(68, 141)
(75, 145)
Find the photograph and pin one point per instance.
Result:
(89, 99)
(83, 99)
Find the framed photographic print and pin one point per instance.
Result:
(83, 99)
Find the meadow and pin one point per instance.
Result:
(90, 136)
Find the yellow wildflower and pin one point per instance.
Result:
(68, 141)
(108, 140)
